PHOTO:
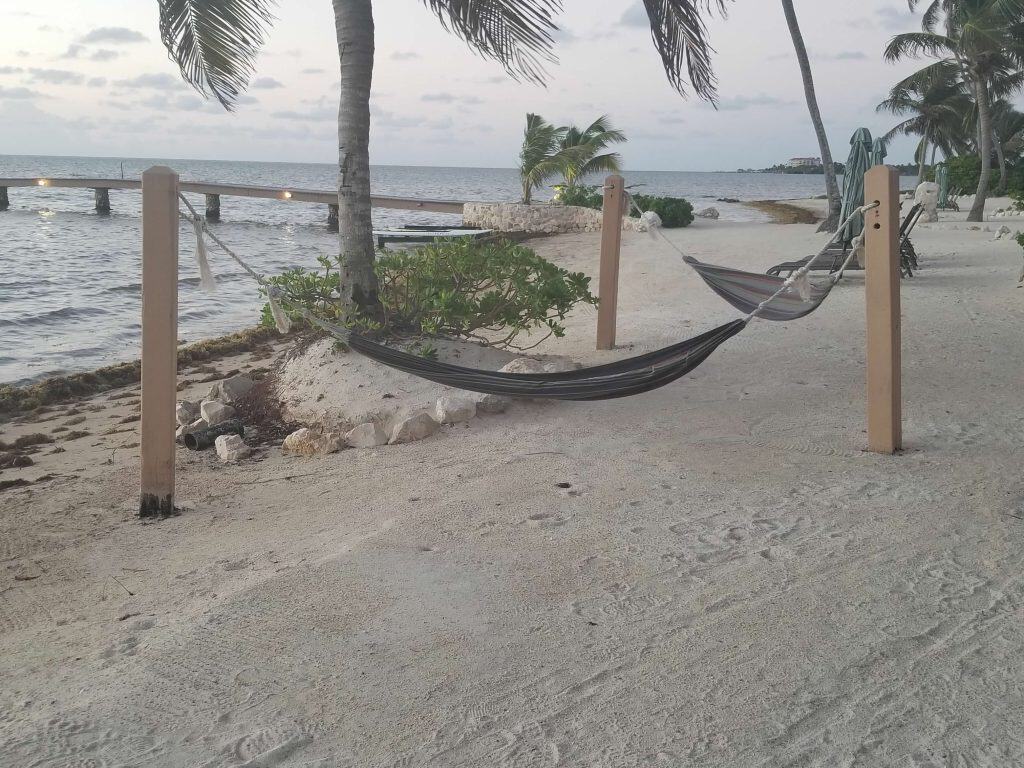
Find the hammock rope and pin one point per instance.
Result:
(621, 378)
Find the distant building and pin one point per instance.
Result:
(797, 162)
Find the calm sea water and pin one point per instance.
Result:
(70, 279)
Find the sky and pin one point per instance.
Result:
(90, 77)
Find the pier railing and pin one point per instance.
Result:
(215, 190)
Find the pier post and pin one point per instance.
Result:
(159, 338)
(212, 207)
(611, 242)
(5, 203)
(102, 198)
(882, 279)
(332, 218)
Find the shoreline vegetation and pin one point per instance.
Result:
(782, 212)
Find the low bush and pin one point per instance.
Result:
(492, 292)
(674, 211)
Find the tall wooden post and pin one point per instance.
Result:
(611, 242)
(101, 198)
(212, 207)
(5, 203)
(159, 338)
(882, 277)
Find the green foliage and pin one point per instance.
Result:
(492, 292)
(579, 195)
(674, 211)
(964, 172)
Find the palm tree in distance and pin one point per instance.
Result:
(584, 150)
(215, 43)
(835, 201)
(539, 159)
(978, 37)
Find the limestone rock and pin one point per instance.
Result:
(559, 365)
(231, 448)
(708, 213)
(493, 404)
(231, 389)
(185, 412)
(454, 410)
(188, 429)
(927, 194)
(309, 442)
(1003, 231)
(413, 428)
(368, 435)
(214, 411)
(522, 365)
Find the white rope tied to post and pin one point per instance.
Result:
(281, 321)
(206, 279)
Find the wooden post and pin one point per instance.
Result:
(159, 338)
(611, 242)
(882, 278)
(5, 203)
(102, 198)
(212, 207)
(332, 218)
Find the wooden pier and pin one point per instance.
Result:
(214, 191)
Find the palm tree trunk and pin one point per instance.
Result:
(924, 157)
(353, 21)
(1004, 175)
(984, 148)
(835, 202)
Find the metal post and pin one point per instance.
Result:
(611, 242)
(5, 203)
(212, 207)
(159, 338)
(102, 199)
(332, 218)
(882, 278)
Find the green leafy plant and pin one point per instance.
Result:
(491, 292)
(579, 194)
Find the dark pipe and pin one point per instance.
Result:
(204, 438)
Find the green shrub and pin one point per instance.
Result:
(964, 172)
(492, 292)
(583, 196)
(674, 211)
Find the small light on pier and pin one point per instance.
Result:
(43, 182)
(286, 195)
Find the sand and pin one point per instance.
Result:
(711, 574)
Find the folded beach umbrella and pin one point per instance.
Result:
(942, 179)
(853, 182)
(878, 152)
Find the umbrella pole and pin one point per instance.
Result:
(882, 279)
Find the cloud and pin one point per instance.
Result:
(96, 82)
(73, 52)
(54, 76)
(113, 35)
(11, 70)
(564, 35)
(740, 103)
(449, 98)
(265, 84)
(636, 16)
(318, 114)
(19, 93)
(670, 119)
(404, 55)
(821, 56)
(155, 81)
(896, 20)
(313, 71)
(104, 54)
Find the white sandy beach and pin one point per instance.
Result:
(711, 574)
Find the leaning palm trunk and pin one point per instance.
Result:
(923, 149)
(1004, 176)
(354, 25)
(831, 185)
(985, 148)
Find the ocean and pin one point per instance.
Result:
(70, 279)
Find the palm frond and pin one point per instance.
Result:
(913, 44)
(681, 38)
(215, 42)
(518, 34)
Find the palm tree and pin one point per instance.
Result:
(215, 43)
(936, 101)
(538, 159)
(835, 202)
(582, 151)
(1007, 127)
(977, 36)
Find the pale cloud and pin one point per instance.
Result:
(156, 81)
(96, 82)
(73, 51)
(113, 35)
(54, 76)
(740, 103)
(19, 93)
(104, 54)
(450, 98)
(265, 84)
(404, 55)
(313, 71)
(5, 70)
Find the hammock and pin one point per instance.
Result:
(758, 295)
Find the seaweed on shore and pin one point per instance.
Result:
(16, 400)
(784, 213)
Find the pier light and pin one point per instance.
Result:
(286, 195)
(43, 182)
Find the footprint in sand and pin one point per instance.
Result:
(544, 520)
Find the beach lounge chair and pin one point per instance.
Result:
(422, 234)
(835, 256)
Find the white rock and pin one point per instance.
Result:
(559, 365)
(214, 411)
(309, 442)
(231, 448)
(708, 213)
(231, 389)
(185, 412)
(368, 435)
(493, 404)
(188, 429)
(454, 410)
(522, 365)
(413, 428)
(927, 194)
(1002, 232)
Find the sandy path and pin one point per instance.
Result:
(727, 579)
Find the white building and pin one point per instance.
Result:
(796, 162)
